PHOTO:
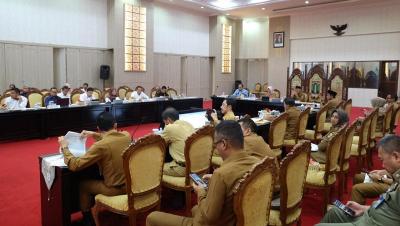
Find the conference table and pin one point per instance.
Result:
(42, 123)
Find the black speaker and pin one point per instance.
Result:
(104, 72)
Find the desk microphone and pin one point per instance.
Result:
(136, 129)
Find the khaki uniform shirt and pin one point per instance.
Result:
(229, 116)
(300, 97)
(320, 155)
(107, 153)
(332, 104)
(292, 120)
(215, 206)
(256, 146)
(387, 213)
(175, 135)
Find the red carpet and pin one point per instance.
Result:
(19, 176)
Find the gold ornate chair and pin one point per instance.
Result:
(294, 80)
(300, 128)
(395, 119)
(372, 135)
(344, 158)
(198, 152)
(360, 143)
(386, 122)
(3, 99)
(35, 98)
(143, 164)
(292, 175)
(122, 92)
(316, 134)
(44, 91)
(253, 194)
(347, 106)
(216, 160)
(128, 94)
(97, 94)
(276, 134)
(172, 92)
(75, 98)
(324, 176)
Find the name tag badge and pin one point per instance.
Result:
(378, 202)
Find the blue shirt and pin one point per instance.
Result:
(51, 98)
(243, 92)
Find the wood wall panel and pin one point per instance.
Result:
(13, 63)
(3, 81)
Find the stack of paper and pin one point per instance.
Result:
(76, 143)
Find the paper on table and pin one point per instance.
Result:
(76, 143)
(314, 147)
(367, 179)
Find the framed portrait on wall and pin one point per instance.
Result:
(278, 39)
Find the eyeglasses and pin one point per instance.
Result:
(217, 142)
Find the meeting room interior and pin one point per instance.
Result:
(199, 112)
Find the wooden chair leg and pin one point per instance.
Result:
(132, 220)
(95, 213)
(188, 199)
(299, 222)
(326, 199)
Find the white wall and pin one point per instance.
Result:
(358, 96)
(180, 32)
(56, 22)
(254, 40)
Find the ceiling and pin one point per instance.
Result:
(260, 8)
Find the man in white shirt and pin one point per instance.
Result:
(15, 101)
(88, 96)
(84, 87)
(64, 94)
(139, 94)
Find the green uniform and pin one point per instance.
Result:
(383, 212)
(320, 155)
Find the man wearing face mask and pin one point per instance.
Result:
(385, 211)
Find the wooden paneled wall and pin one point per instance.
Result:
(251, 71)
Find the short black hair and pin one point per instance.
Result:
(332, 93)
(65, 87)
(289, 101)
(89, 89)
(248, 123)
(232, 132)
(105, 121)
(85, 84)
(15, 89)
(170, 113)
(298, 87)
(390, 143)
(53, 88)
(231, 102)
(163, 87)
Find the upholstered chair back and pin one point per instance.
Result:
(321, 118)
(122, 92)
(35, 98)
(143, 166)
(333, 152)
(75, 98)
(253, 194)
(303, 120)
(97, 94)
(346, 145)
(198, 151)
(128, 94)
(347, 106)
(3, 99)
(277, 131)
(172, 92)
(388, 118)
(365, 126)
(372, 127)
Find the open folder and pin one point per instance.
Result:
(76, 143)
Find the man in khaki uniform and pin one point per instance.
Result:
(107, 153)
(226, 110)
(215, 204)
(381, 181)
(293, 118)
(299, 95)
(383, 212)
(175, 134)
(332, 103)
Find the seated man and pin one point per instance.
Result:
(175, 133)
(162, 92)
(53, 97)
(226, 110)
(215, 204)
(293, 118)
(64, 94)
(384, 211)
(139, 94)
(299, 95)
(84, 87)
(87, 96)
(106, 153)
(380, 182)
(332, 103)
(254, 144)
(15, 101)
(240, 91)
(25, 91)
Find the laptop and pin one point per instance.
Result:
(63, 102)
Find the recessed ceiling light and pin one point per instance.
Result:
(262, 8)
(202, 7)
(306, 2)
